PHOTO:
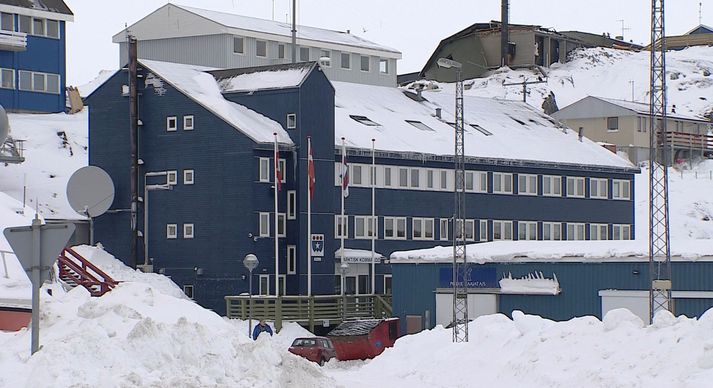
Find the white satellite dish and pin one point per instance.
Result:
(90, 191)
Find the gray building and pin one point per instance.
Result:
(194, 36)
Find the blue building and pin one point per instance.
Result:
(33, 55)
(528, 178)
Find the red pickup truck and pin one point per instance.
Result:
(315, 349)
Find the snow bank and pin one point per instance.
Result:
(532, 352)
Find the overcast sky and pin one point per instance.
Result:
(412, 26)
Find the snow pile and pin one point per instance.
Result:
(282, 78)
(529, 351)
(535, 283)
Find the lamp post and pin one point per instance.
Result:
(250, 262)
(343, 270)
(148, 188)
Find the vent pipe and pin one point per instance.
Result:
(504, 33)
(438, 113)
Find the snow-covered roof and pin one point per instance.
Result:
(507, 130)
(86, 89)
(700, 26)
(643, 108)
(197, 84)
(263, 77)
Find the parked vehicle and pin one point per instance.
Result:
(363, 339)
(315, 349)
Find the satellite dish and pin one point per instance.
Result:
(90, 191)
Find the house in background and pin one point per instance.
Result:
(626, 125)
(33, 55)
(701, 35)
(180, 34)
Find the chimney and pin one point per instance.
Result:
(438, 113)
(504, 33)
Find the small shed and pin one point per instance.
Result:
(362, 339)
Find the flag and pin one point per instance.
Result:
(278, 173)
(310, 169)
(344, 175)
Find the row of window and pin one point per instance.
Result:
(643, 124)
(172, 123)
(29, 25)
(32, 81)
(189, 177)
(325, 57)
(172, 231)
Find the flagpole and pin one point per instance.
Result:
(341, 220)
(373, 218)
(277, 257)
(309, 216)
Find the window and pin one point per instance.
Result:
(527, 230)
(387, 176)
(502, 183)
(429, 179)
(291, 259)
(620, 189)
(292, 205)
(387, 284)
(481, 130)
(39, 82)
(291, 120)
(598, 232)
(283, 170)
(264, 170)
(598, 188)
(420, 125)
(25, 80)
(264, 224)
(171, 123)
(325, 58)
(502, 230)
(188, 123)
(403, 177)
(188, 177)
(364, 227)
(172, 177)
(52, 28)
(264, 285)
(443, 229)
(444, 180)
(415, 178)
(281, 225)
(341, 226)
(7, 78)
(575, 231)
(304, 54)
(171, 231)
(621, 232)
(25, 24)
(364, 120)
(346, 61)
(356, 175)
(552, 231)
(7, 22)
(575, 187)
(281, 51)
(384, 66)
(526, 184)
(395, 228)
(364, 63)
(469, 229)
(187, 230)
(483, 231)
(188, 290)
(238, 45)
(38, 27)
(552, 186)
(422, 228)
(261, 48)
(612, 124)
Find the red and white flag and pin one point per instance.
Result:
(310, 168)
(344, 175)
(278, 173)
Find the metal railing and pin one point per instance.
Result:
(308, 310)
(74, 267)
(686, 140)
(13, 41)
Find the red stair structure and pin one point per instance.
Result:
(76, 270)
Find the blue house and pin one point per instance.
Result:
(528, 178)
(33, 55)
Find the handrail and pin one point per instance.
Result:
(81, 267)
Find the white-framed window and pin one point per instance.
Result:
(364, 63)
(387, 284)
(171, 123)
(283, 170)
(575, 231)
(364, 227)
(483, 230)
(403, 177)
(599, 188)
(422, 228)
(171, 231)
(291, 120)
(621, 232)
(430, 180)
(621, 189)
(502, 230)
(264, 224)
(291, 259)
(575, 187)
(325, 58)
(7, 22)
(552, 231)
(261, 48)
(612, 124)
(264, 285)
(264, 166)
(502, 183)
(341, 226)
(52, 30)
(469, 230)
(444, 179)
(476, 181)
(188, 290)
(34, 81)
(388, 182)
(395, 228)
(238, 45)
(415, 178)
(304, 54)
(356, 178)
(189, 177)
(291, 204)
(346, 61)
(281, 225)
(7, 78)
(172, 177)
(526, 184)
(188, 123)
(24, 24)
(281, 51)
(384, 66)
(188, 231)
(443, 229)
(552, 186)
(598, 232)
(527, 230)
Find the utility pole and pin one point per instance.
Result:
(659, 236)
(294, 31)
(134, 140)
(524, 86)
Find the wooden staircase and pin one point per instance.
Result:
(75, 270)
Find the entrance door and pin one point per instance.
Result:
(364, 284)
(387, 284)
(350, 285)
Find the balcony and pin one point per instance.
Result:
(13, 41)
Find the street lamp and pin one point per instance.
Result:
(148, 188)
(250, 262)
(343, 270)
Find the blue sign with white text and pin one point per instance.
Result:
(478, 277)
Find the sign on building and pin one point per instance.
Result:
(317, 247)
(478, 277)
